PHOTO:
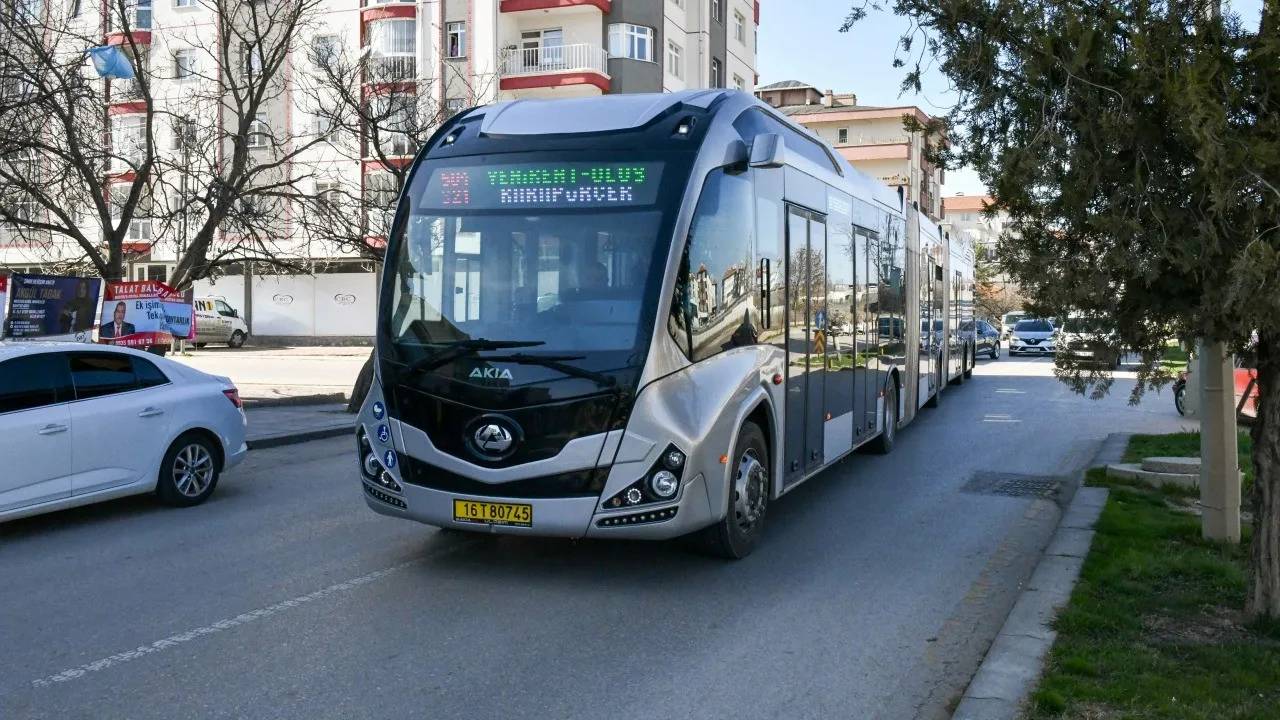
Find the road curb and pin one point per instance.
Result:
(274, 441)
(295, 401)
(1013, 665)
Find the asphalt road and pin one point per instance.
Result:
(878, 587)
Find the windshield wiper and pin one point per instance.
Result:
(557, 363)
(458, 349)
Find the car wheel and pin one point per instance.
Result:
(237, 339)
(883, 444)
(995, 351)
(1180, 398)
(933, 401)
(737, 534)
(189, 472)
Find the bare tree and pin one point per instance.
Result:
(58, 154)
(374, 109)
(80, 159)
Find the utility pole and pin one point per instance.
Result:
(1219, 461)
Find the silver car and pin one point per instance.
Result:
(1032, 337)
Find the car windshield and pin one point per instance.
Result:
(1087, 326)
(1033, 326)
(1012, 318)
(557, 260)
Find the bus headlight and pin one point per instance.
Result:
(664, 484)
(674, 460)
(370, 466)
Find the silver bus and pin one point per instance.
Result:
(645, 316)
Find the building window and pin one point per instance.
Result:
(127, 135)
(139, 230)
(252, 55)
(329, 192)
(324, 127)
(324, 50)
(457, 39)
(739, 27)
(717, 10)
(184, 3)
(184, 133)
(631, 41)
(842, 136)
(259, 132)
(717, 73)
(453, 106)
(739, 83)
(675, 59)
(184, 63)
(395, 50)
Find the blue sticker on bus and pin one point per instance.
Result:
(379, 410)
(389, 459)
(384, 434)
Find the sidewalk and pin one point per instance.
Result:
(283, 372)
(276, 426)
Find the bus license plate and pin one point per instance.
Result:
(489, 513)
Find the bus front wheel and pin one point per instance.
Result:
(883, 444)
(737, 534)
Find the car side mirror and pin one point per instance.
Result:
(768, 151)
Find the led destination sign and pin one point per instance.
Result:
(543, 185)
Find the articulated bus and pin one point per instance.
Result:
(646, 316)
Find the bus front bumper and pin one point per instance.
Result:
(555, 517)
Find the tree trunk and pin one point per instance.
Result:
(1264, 578)
(364, 381)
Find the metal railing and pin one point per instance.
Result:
(555, 58)
(392, 68)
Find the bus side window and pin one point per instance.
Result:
(715, 291)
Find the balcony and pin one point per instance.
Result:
(391, 69)
(126, 98)
(139, 20)
(552, 66)
(508, 6)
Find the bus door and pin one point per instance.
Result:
(930, 340)
(807, 338)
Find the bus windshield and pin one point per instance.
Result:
(554, 258)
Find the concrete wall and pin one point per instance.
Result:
(338, 305)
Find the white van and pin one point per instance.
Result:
(218, 322)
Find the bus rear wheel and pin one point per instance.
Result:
(737, 534)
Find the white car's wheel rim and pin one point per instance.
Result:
(192, 470)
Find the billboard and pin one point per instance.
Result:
(139, 314)
(4, 297)
(48, 306)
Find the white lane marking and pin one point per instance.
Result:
(221, 625)
(999, 418)
(1010, 391)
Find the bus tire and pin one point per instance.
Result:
(737, 534)
(883, 444)
(971, 361)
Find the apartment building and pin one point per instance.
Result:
(967, 214)
(451, 54)
(872, 139)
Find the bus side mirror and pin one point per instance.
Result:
(768, 151)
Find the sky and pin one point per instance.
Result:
(801, 40)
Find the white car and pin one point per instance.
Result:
(218, 322)
(84, 423)
(1032, 337)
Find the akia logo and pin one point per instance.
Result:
(491, 374)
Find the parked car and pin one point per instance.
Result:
(84, 423)
(1246, 388)
(1088, 340)
(1032, 337)
(986, 338)
(1008, 322)
(218, 322)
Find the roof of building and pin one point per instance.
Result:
(963, 203)
(786, 85)
(819, 109)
